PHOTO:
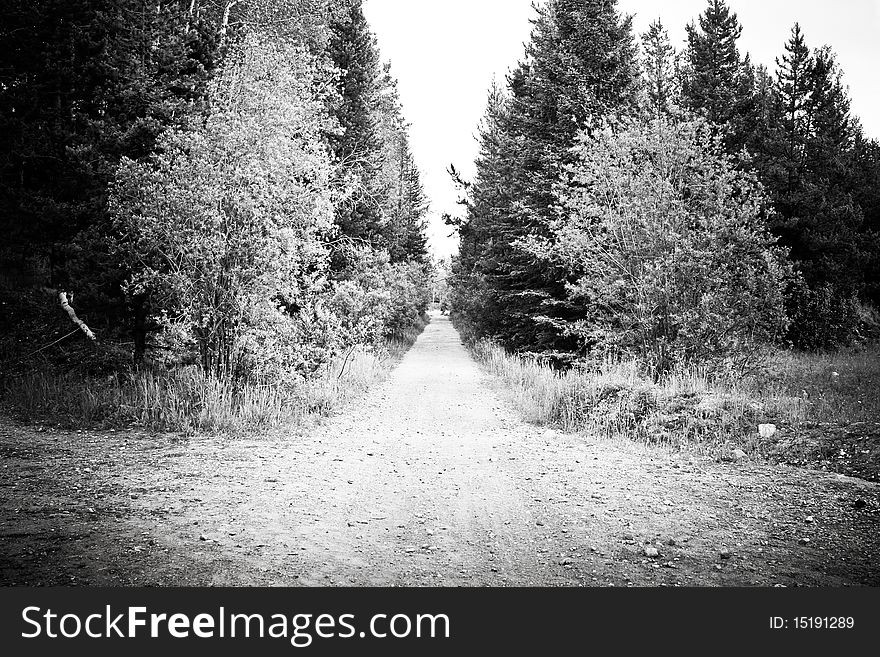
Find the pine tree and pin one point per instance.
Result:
(352, 49)
(485, 234)
(805, 153)
(865, 185)
(764, 129)
(712, 78)
(403, 203)
(84, 83)
(580, 69)
(405, 234)
(793, 85)
(658, 66)
(834, 252)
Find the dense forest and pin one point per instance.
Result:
(225, 184)
(675, 207)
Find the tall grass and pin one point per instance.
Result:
(690, 407)
(187, 400)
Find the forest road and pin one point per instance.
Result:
(430, 479)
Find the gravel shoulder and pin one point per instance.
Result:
(429, 479)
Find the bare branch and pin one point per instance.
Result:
(62, 296)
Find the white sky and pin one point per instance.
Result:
(445, 54)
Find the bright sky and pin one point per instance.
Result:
(445, 54)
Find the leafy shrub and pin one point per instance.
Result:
(822, 318)
(667, 251)
(222, 229)
(379, 300)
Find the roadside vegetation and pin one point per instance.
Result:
(677, 247)
(824, 407)
(186, 400)
(233, 221)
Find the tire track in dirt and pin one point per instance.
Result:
(413, 484)
(429, 479)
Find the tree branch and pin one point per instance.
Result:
(76, 320)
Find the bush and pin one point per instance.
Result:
(667, 251)
(822, 318)
(379, 300)
(223, 228)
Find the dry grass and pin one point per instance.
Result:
(188, 401)
(689, 407)
(839, 387)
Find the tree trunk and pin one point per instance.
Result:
(224, 26)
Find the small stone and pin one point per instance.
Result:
(202, 537)
(539, 523)
(724, 553)
(804, 541)
(809, 519)
(652, 552)
(738, 455)
(767, 430)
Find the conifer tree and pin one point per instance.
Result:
(805, 155)
(580, 69)
(352, 49)
(658, 66)
(384, 205)
(793, 85)
(405, 232)
(712, 78)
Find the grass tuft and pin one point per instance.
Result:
(188, 401)
(794, 391)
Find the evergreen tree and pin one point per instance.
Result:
(404, 203)
(833, 249)
(658, 67)
(486, 234)
(352, 49)
(713, 76)
(83, 84)
(384, 203)
(793, 85)
(818, 219)
(580, 69)
(806, 156)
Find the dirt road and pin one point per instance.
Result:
(431, 479)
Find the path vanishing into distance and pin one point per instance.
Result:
(429, 479)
